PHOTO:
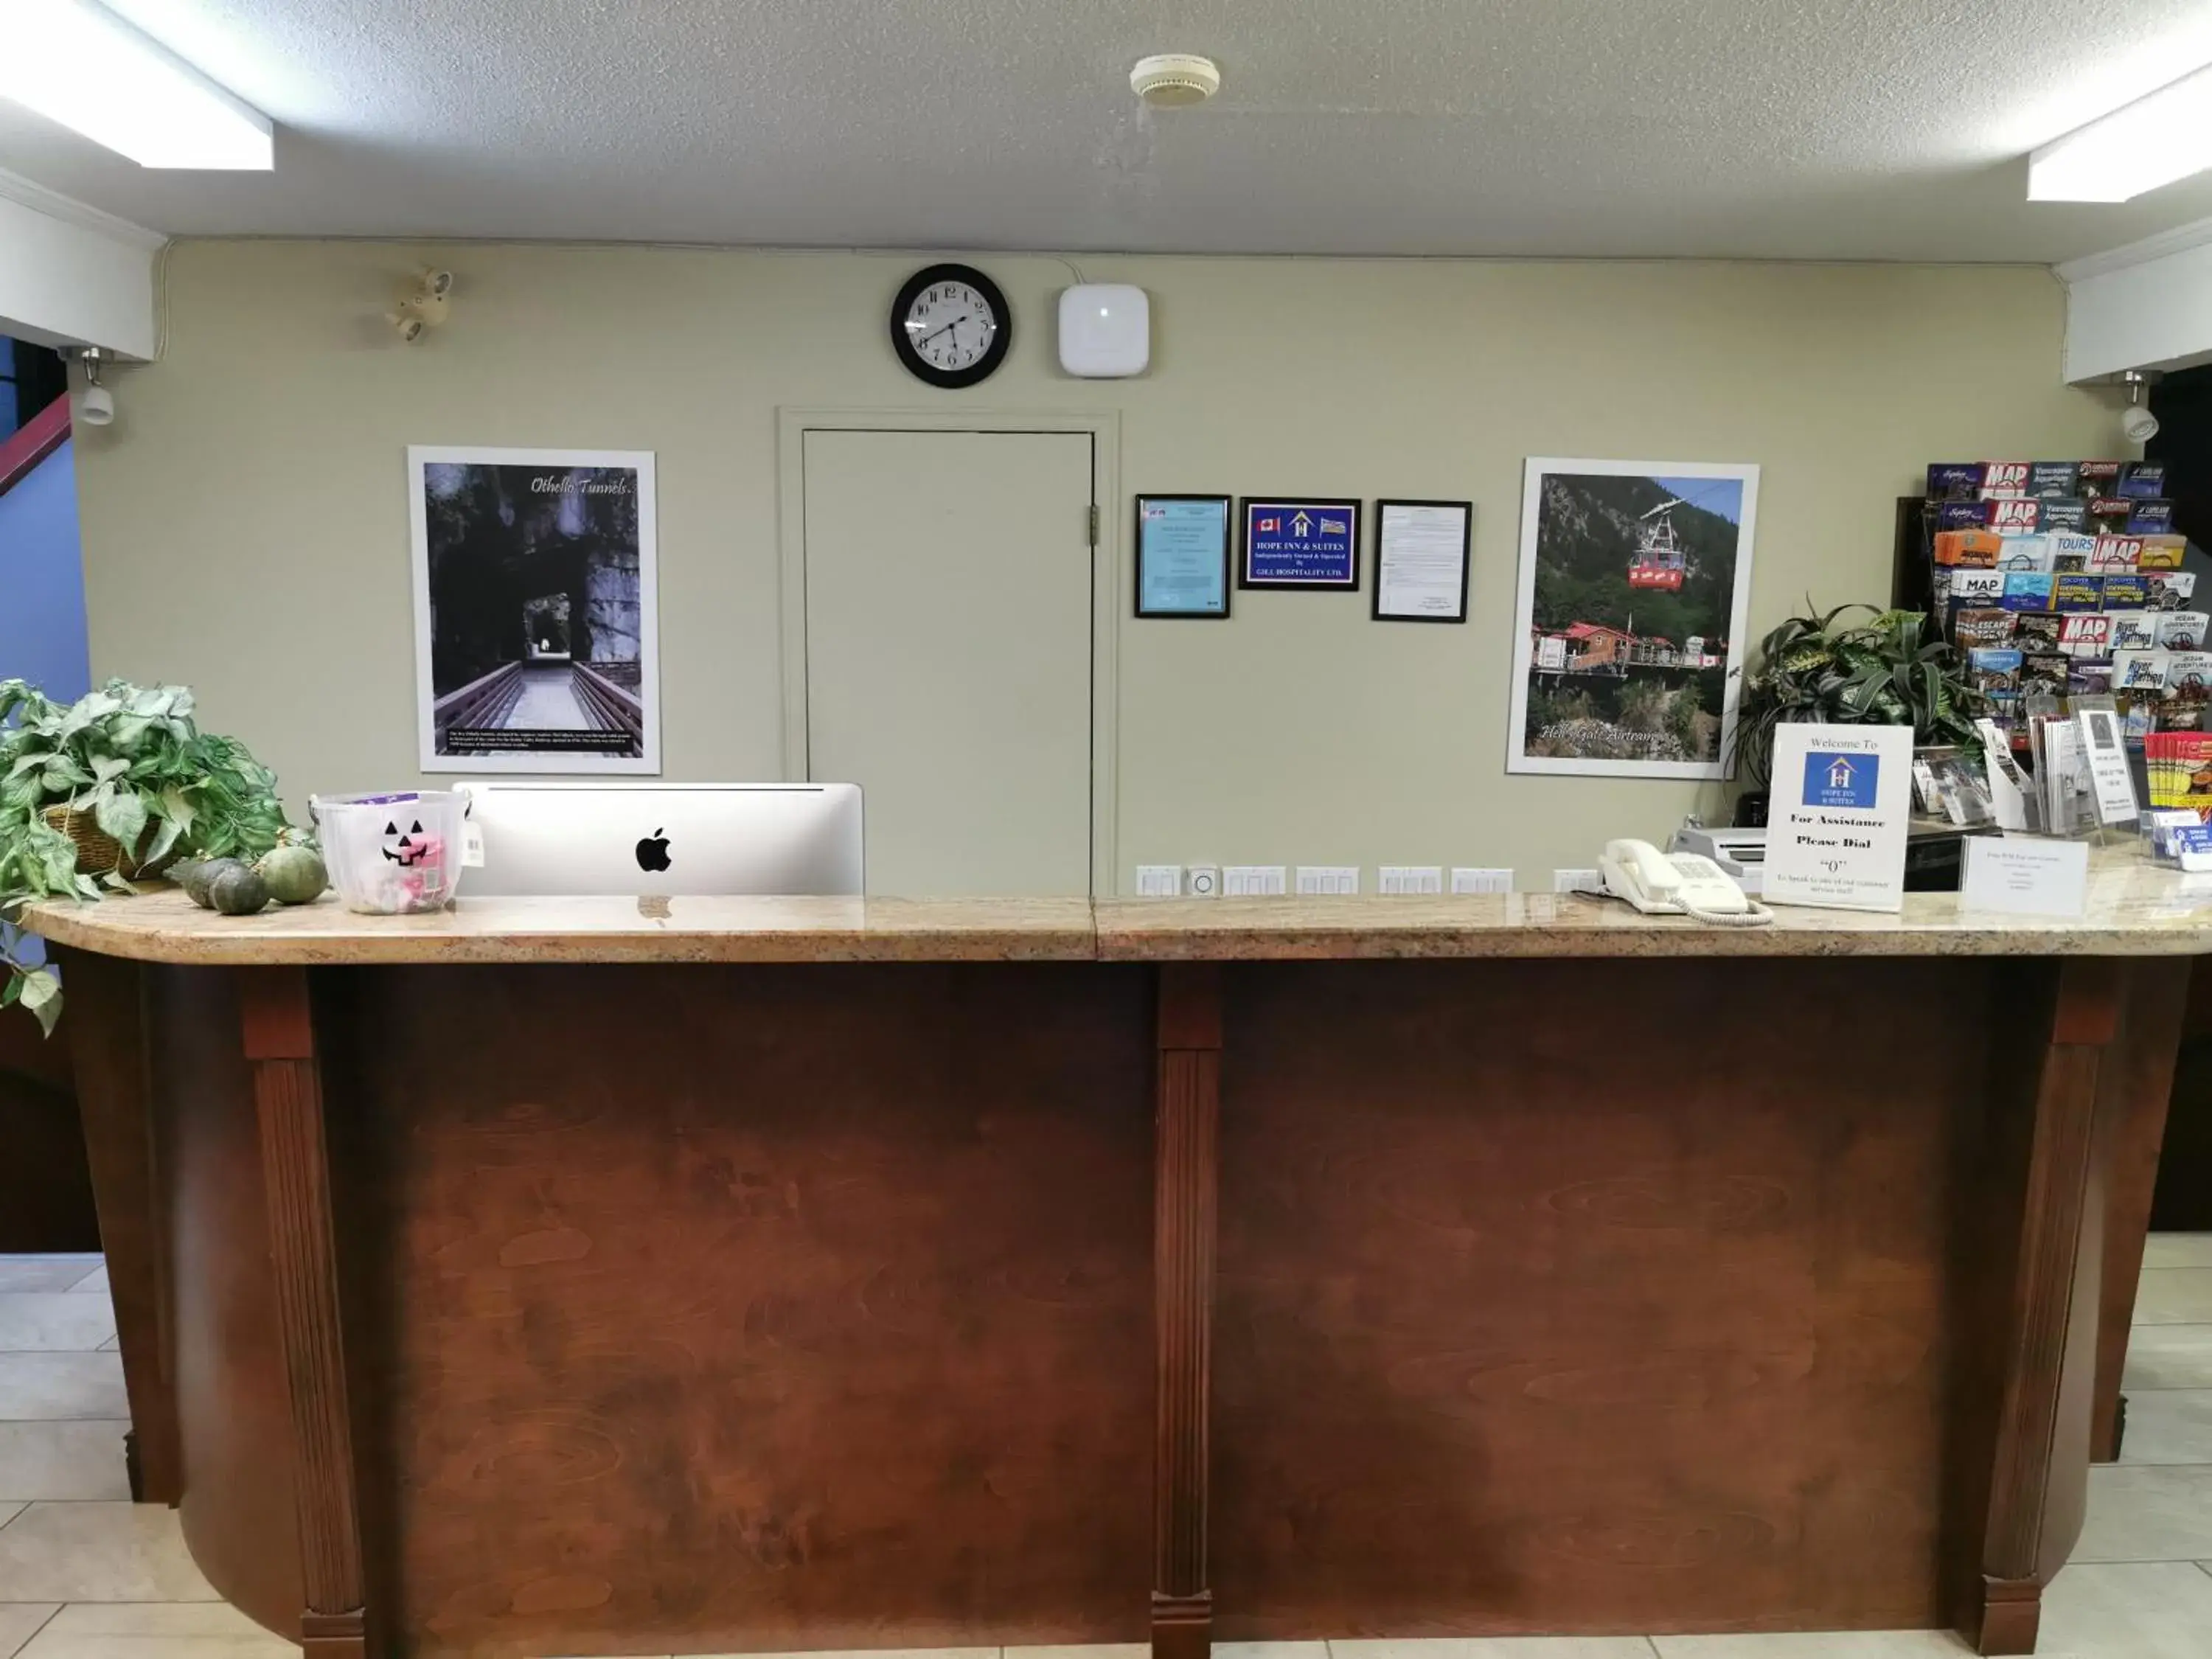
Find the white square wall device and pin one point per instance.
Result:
(1105, 331)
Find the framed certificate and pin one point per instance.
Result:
(1182, 556)
(1301, 542)
(1421, 550)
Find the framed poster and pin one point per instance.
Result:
(1182, 556)
(1421, 554)
(1301, 543)
(537, 644)
(1635, 585)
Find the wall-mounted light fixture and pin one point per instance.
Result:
(95, 405)
(426, 306)
(2137, 425)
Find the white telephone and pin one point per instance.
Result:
(1683, 884)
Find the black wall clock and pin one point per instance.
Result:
(950, 326)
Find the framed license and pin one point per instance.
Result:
(1301, 542)
(1421, 551)
(1182, 556)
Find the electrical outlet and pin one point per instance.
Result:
(1159, 880)
(1204, 881)
(1574, 881)
(1466, 880)
(1252, 880)
(1410, 878)
(1334, 879)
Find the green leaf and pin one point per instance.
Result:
(62, 775)
(42, 995)
(92, 706)
(123, 816)
(129, 731)
(107, 767)
(164, 839)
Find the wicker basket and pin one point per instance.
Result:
(98, 852)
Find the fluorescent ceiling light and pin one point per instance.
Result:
(2149, 143)
(83, 66)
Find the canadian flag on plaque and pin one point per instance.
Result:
(1268, 527)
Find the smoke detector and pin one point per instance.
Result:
(1174, 80)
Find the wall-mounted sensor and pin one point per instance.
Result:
(1105, 331)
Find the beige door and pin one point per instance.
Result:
(948, 653)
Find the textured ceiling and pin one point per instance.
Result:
(1800, 129)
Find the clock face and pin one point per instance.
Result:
(950, 325)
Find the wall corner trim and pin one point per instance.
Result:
(2147, 305)
(24, 192)
(73, 275)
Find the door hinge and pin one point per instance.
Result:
(1094, 524)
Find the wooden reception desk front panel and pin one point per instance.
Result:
(514, 1308)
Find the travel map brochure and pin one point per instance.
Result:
(2181, 767)
(2061, 579)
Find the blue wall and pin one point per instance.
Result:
(42, 581)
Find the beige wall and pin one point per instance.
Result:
(245, 519)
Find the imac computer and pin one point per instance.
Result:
(681, 840)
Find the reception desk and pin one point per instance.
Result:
(618, 1276)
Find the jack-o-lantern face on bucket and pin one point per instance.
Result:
(406, 847)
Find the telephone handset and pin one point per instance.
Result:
(1682, 884)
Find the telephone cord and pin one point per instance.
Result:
(1757, 915)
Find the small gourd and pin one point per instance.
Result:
(191, 876)
(294, 874)
(238, 890)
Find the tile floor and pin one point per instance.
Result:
(84, 1573)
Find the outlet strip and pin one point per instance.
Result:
(1336, 880)
(1575, 881)
(1252, 880)
(1473, 880)
(1410, 878)
(1159, 881)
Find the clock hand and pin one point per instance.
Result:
(947, 329)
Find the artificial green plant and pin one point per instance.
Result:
(133, 758)
(1880, 669)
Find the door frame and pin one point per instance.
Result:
(1104, 428)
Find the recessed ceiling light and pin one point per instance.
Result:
(83, 66)
(2138, 148)
(1172, 80)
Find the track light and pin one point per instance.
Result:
(2137, 425)
(95, 405)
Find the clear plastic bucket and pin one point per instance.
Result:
(392, 855)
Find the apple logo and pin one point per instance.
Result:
(652, 853)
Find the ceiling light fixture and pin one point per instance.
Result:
(83, 66)
(1175, 80)
(2138, 148)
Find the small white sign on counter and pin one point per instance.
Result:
(1837, 819)
(2108, 766)
(2025, 876)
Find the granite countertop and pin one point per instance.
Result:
(164, 926)
(2136, 907)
